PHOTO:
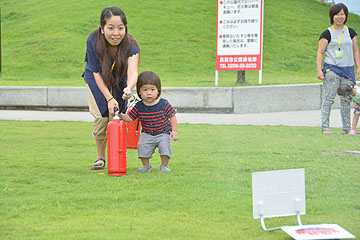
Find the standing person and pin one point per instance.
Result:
(352, 92)
(111, 72)
(158, 122)
(340, 45)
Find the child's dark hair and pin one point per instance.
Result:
(150, 78)
(345, 90)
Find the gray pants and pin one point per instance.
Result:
(331, 83)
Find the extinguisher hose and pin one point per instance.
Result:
(123, 104)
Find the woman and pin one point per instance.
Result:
(339, 44)
(111, 72)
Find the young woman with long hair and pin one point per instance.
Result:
(111, 72)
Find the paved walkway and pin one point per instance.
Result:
(296, 118)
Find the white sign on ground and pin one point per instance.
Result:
(278, 193)
(318, 231)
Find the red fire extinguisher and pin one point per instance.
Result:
(133, 133)
(116, 149)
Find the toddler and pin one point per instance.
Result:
(158, 121)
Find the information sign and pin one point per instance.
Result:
(239, 35)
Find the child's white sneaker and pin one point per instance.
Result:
(164, 169)
(145, 168)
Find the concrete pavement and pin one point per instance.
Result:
(294, 118)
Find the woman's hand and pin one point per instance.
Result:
(320, 75)
(111, 106)
(127, 93)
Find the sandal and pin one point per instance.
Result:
(328, 132)
(98, 165)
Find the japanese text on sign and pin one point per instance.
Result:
(239, 35)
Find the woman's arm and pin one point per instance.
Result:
(320, 56)
(132, 74)
(112, 103)
(356, 56)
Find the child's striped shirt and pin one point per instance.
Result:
(154, 119)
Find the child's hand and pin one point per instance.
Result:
(356, 105)
(174, 135)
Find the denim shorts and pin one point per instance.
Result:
(148, 143)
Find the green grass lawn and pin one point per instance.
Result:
(47, 190)
(43, 42)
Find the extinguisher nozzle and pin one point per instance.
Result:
(117, 112)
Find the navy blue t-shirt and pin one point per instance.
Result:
(93, 66)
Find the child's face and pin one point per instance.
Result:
(114, 30)
(149, 93)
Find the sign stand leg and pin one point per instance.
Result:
(264, 227)
(262, 220)
(260, 205)
(297, 209)
(216, 77)
(260, 76)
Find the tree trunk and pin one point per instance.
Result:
(240, 77)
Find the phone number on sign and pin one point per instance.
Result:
(242, 65)
(239, 65)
